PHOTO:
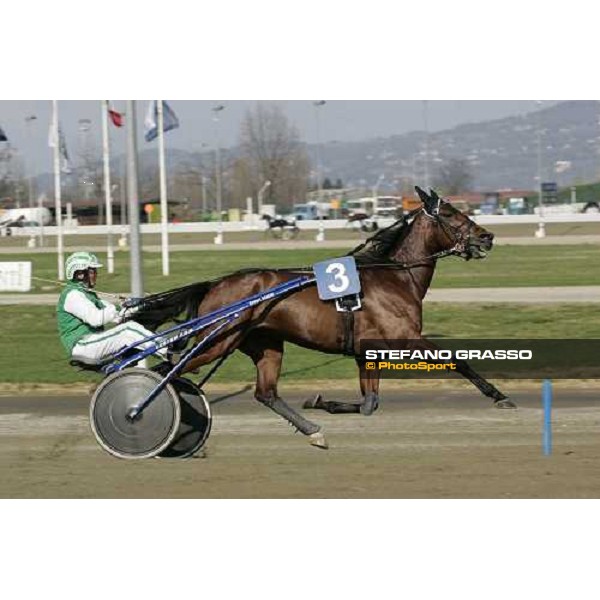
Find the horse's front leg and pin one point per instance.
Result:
(484, 386)
(464, 369)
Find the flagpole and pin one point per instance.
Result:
(137, 282)
(107, 190)
(164, 216)
(57, 195)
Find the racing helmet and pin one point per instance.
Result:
(80, 261)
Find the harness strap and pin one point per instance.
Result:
(348, 341)
(348, 348)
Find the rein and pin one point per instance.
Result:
(421, 262)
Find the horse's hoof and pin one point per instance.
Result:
(312, 402)
(318, 439)
(368, 407)
(506, 403)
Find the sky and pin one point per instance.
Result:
(337, 120)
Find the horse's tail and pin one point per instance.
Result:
(156, 309)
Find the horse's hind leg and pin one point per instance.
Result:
(369, 386)
(267, 355)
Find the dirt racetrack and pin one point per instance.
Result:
(449, 444)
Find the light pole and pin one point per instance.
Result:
(204, 180)
(29, 120)
(217, 109)
(541, 230)
(30, 169)
(57, 191)
(426, 123)
(261, 193)
(321, 235)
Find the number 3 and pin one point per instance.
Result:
(339, 274)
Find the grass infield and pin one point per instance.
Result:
(506, 266)
(31, 352)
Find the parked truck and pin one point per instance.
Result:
(379, 206)
(311, 210)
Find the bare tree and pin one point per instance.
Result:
(13, 183)
(454, 177)
(271, 151)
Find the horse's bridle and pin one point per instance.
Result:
(459, 235)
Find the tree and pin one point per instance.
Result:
(13, 184)
(454, 177)
(271, 151)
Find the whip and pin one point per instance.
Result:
(63, 283)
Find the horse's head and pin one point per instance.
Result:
(454, 230)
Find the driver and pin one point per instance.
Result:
(82, 316)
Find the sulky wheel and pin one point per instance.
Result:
(147, 435)
(196, 421)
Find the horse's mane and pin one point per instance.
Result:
(377, 248)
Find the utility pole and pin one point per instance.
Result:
(321, 235)
(219, 236)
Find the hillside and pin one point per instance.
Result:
(501, 153)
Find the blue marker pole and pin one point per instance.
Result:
(547, 430)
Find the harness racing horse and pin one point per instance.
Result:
(364, 221)
(396, 267)
(281, 228)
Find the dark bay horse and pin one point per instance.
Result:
(396, 268)
(280, 227)
(366, 223)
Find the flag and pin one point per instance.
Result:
(170, 120)
(65, 166)
(115, 116)
(3, 137)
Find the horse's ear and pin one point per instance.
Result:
(434, 195)
(430, 203)
(425, 199)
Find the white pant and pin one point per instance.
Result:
(93, 348)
